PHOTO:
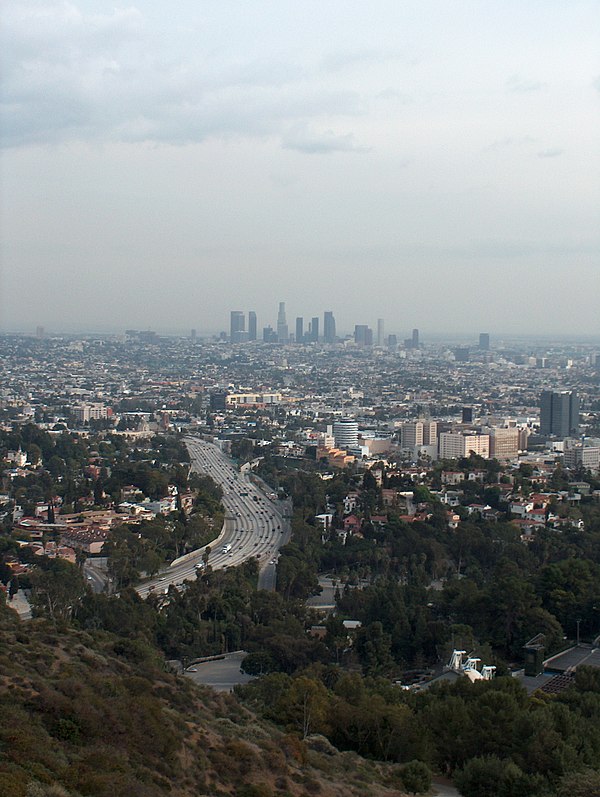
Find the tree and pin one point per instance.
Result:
(13, 587)
(416, 777)
(305, 704)
(57, 590)
(580, 784)
(490, 776)
(258, 663)
(373, 646)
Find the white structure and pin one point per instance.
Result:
(419, 433)
(469, 667)
(345, 434)
(87, 412)
(582, 456)
(453, 445)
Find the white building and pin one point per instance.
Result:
(345, 433)
(419, 433)
(581, 456)
(453, 445)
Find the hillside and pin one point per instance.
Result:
(95, 714)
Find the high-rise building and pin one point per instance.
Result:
(314, 330)
(453, 445)
(252, 331)
(467, 415)
(380, 331)
(363, 335)
(504, 443)
(328, 327)
(461, 354)
(345, 433)
(282, 327)
(193, 335)
(579, 455)
(300, 329)
(559, 413)
(419, 433)
(269, 335)
(484, 341)
(415, 338)
(237, 327)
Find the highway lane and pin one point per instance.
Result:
(256, 525)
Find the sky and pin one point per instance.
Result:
(435, 163)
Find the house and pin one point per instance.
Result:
(453, 520)
(452, 476)
(520, 508)
(351, 524)
(324, 520)
(478, 509)
(350, 502)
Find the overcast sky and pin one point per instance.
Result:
(433, 163)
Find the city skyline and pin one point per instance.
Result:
(397, 161)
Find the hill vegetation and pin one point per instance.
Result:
(93, 713)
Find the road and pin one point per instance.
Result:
(256, 525)
(96, 573)
(222, 674)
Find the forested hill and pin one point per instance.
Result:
(97, 715)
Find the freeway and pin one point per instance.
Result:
(256, 525)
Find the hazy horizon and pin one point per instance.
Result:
(433, 164)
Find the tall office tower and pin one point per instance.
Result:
(559, 413)
(237, 327)
(419, 433)
(412, 434)
(363, 335)
(314, 330)
(415, 338)
(380, 331)
(282, 327)
(328, 327)
(484, 341)
(430, 433)
(251, 325)
(193, 336)
(269, 335)
(504, 443)
(467, 415)
(392, 342)
(345, 433)
(299, 330)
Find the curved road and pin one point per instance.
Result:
(255, 524)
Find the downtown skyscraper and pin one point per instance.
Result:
(283, 334)
(329, 327)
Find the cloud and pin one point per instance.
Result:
(550, 153)
(502, 143)
(70, 75)
(519, 84)
(301, 139)
(348, 59)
